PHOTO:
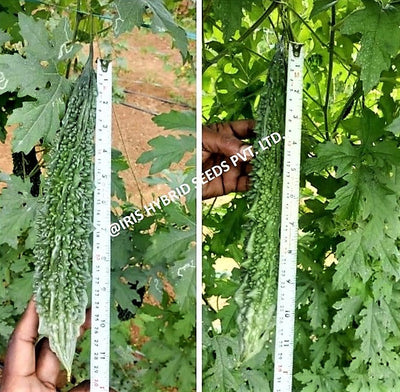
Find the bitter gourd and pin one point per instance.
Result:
(64, 225)
(256, 297)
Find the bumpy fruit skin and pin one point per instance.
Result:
(256, 297)
(64, 224)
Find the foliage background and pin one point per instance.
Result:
(47, 41)
(347, 307)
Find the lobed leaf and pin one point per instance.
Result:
(184, 121)
(380, 39)
(17, 209)
(129, 14)
(167, 150)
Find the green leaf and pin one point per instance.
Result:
(176, 364)
(21, 291)
(360, 382)
(8, 11)
(177, 214)
(222, 287)
(169, 373)
(123, 294)
(230, 14)
(392, 316)
(394, 127)
(321, 378)
(61, 42)
(352, 260)
(168, 245)
(118, 163)
(386, 152)
(380, 39)
(5, 329)
(167, 150)
(371, 332)
(13, 66)
(326, 346)
(129, 14)
(219, 377)
(257, 380)
(185, 326)
(387, 251)
(17, 209)
(318, 311)
(369, 128)
(41, 45)
(40, 117)
(228, 316)
(163, 352)
(121, 249)
(38, 46)
(347, 203)
(4, 37)
(348, 308)
(117, 186)
(185, 121)
(183, 276)
(343, 156)
(230, 228)
(362, 197)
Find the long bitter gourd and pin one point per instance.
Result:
(64, 225)
(256, 297)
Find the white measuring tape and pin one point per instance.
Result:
(100, 324)
(285, 313)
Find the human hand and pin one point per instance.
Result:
(29, 368)
(220, 142)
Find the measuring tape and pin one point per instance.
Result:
(284, 337)
(100, 324)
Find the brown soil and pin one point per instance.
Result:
(133, 128)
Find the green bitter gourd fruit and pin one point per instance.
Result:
(64, 225)
(256, 297)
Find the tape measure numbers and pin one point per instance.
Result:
(100, 319)
(285, 313)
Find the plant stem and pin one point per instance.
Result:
(313, 99)
(330, 70)
(307, 116)
(78, 19)
(357, 93)
(316, 85)
(258, 22)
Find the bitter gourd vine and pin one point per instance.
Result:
(256, 297)
(64, 225)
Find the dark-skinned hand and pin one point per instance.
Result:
(220, 142)
(30, 368)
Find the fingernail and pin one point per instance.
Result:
(245, 150)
